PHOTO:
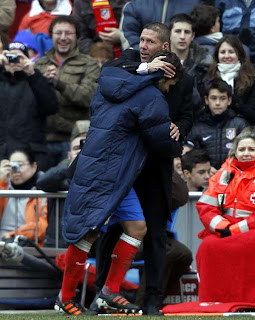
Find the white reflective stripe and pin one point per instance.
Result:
(214, 222)
(229, 212)
(224, 178)
(243, 225)
(209, 200)
(242, 213)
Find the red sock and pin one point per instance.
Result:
(122, 257)
(74, 270)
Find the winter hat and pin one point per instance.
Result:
(26, 37)
(18, 46)
(80, 127)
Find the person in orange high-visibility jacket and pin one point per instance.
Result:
(19, 172)
(225, 258)
(227, 207)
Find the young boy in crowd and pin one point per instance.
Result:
(218, 125)
(196, 169)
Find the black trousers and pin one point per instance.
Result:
(152, 193)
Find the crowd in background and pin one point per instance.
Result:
(60, 47)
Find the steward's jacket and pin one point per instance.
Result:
(216, 134)
(29, 211)
(229, 199)
(129, 117)
(75, 90)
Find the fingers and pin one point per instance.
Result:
(157, 63)
(174, 132)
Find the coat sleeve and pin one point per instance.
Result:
(129, 60)
(44, 93)
(245, 105)
(53, 180)
(155, 124)
(80, 94)
(86, 39)
(7, 13)
(4, 185)
(29, 228)
(185, 115)
(131, 26)
(208, 207)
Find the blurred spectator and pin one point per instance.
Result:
(137, 13)
(22, 7)
(7, 13)
(233, 66)
(195, 59)
(101, 52)
(3, 41)
(41, 14)
(218, 125)
(187, 146)
(237, 18)
(98, 21)
(74, 77)
(26, 99)
(196, 169)
(57, 179)
(206, 25)
(29, 41)
(206, 21)
(19, 172)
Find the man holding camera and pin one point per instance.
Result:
(26, 99)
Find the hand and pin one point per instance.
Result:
(5, 169)
(3, 60)
(52, 73)
(174, 131)
(26, 63)
(157, 63)
(224, 232)
(112, 35)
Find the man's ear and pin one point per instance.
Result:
(193, 35)
(186, 173)
(206, 100)
(229, 101)
(165, 46)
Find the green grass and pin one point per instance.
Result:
(51, 316)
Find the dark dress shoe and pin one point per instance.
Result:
(152, 310)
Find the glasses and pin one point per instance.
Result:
(66, 33)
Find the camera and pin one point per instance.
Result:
(12, 57)
(82, 141)
(14, 166)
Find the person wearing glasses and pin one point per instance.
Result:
(73, 75)
(19, 172)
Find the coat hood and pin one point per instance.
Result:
(118, 85)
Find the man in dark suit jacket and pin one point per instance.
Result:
(153, 186)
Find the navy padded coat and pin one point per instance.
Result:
(129, 117)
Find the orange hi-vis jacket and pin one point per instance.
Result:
(29, 228)
(229, 199)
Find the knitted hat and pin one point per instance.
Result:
(18, 46)
(27, 38)
(80, 127)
